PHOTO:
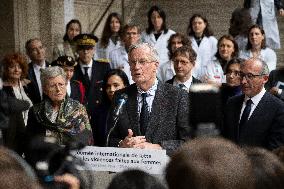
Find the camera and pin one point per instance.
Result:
(50, 159)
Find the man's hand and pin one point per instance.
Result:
(72, 181)
(274, 90)
(148, 145)
(281, 12)
(129, 141)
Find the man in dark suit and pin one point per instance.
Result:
(255, 118)
(155, 116)
(184, 60)
(36, 52)
(91, 73)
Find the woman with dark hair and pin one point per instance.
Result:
(157, 34)
(114, 80)
(15, 70)
(239, 25)
(232, 86)
(68, 47)
(256, 47)
(110, 37)
(167, 71)
(203, 43)
(227, 50)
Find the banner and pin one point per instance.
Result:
(119, 159)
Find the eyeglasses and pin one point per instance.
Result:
(249, 76)
(181, 61)
(232, 72)
(140, 62)
(56, 86)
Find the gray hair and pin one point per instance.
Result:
(153, 52)
(51, 72)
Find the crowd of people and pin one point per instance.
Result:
(132, 88)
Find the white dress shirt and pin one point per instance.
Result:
(255, 101)
(187, 84)
(82, 66)
(37, 74)
(150, 96)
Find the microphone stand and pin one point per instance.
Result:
(111, 130)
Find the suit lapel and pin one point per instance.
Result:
(236, 117)
(132, 109)
(258, 111)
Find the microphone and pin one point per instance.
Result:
(121, 101)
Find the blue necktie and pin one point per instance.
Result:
(144, 114)
(245, 114)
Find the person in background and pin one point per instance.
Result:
(255, 118)
(184, 60)
(232, 86)
(240, 23)
(114, 80)
(68, 47)
(209, 163)
(263, 14)
(268, 170)
(75, 89)
(135, 179)
(157, 34)
(119, 57)
(227, 50)
(58, 115)
(203, 43)
(15, 71)
(167, 71)
(36, 52)
(256, 47)
(91, 73)
(155, 115)
(110, 37)
(275, 83)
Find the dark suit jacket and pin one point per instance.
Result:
(274, 77)
(33, 89)
(169, 119)
(194, 80)
(94, 95)
(265, 127)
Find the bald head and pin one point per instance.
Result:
(254, 74)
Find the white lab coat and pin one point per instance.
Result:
(166, 71)
(267, 55)
(214, 71)
(103, 53)
(205, 53)
(269, 21)
(119, 60)
(160, 45)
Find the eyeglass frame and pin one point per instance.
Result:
(140, 62)
(250, 76)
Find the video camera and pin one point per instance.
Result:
(50, 159)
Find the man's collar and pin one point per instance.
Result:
(151, 91)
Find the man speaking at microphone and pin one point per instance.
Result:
(155, 115)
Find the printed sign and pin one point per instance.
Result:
(119, 159)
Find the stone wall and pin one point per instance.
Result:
(24, 19)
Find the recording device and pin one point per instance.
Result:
(205, 111)
(50, 159)
(119, 105)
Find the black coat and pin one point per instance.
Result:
(265, 127)
(94, 94)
